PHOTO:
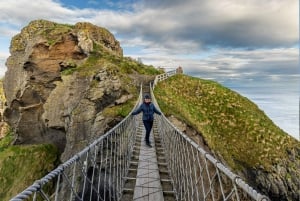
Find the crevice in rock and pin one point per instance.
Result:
(113, 123)
(105, 101)
(57, 136)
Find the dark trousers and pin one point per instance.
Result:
(148, 126)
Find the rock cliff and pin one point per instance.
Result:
(63, 81)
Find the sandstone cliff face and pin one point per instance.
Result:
(45, 103)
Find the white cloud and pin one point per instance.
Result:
(171, 24)
(3, 57)
(168, 30)
(224, 64)
(230, 23)
(4, 54)
(19, 12)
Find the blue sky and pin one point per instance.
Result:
(230, 41)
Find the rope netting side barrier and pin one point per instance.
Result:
(195, 173)
(95, 173)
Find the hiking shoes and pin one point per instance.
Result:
(148, 144)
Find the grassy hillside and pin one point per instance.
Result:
(20, 166)
(232, 126)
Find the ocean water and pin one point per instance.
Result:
(279, 100)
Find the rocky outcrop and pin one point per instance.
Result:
(282, 182)
(87, 34)
(45, 103)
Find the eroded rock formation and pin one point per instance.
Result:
(45, 106)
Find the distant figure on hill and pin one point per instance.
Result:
(148, 109)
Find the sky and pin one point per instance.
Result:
(251, 46)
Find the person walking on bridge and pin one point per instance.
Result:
(148, 109)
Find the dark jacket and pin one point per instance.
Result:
(148, 111)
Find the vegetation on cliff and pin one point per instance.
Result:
(230, 124)
(237, 132)
(65, 85)
(21, 165)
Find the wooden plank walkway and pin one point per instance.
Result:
(148, 186)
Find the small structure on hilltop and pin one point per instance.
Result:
(179, 70)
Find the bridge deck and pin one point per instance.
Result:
(148, 186)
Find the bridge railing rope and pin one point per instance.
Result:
(195, 173)
(164, 76)
(95, 173)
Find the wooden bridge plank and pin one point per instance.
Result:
(148, 186)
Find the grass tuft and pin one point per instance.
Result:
(20, 166)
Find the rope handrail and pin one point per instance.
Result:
(75, 177)
(195, 172)
(163, 76)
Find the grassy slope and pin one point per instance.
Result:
(20, 166)
(232, 125)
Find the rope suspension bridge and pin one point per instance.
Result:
(118, 166)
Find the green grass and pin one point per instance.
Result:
(6, 141)
(120, 110)
(20, 165)
(232, 125)
(51, 31)
(124, 65)
(101, 58)
(54, 31)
